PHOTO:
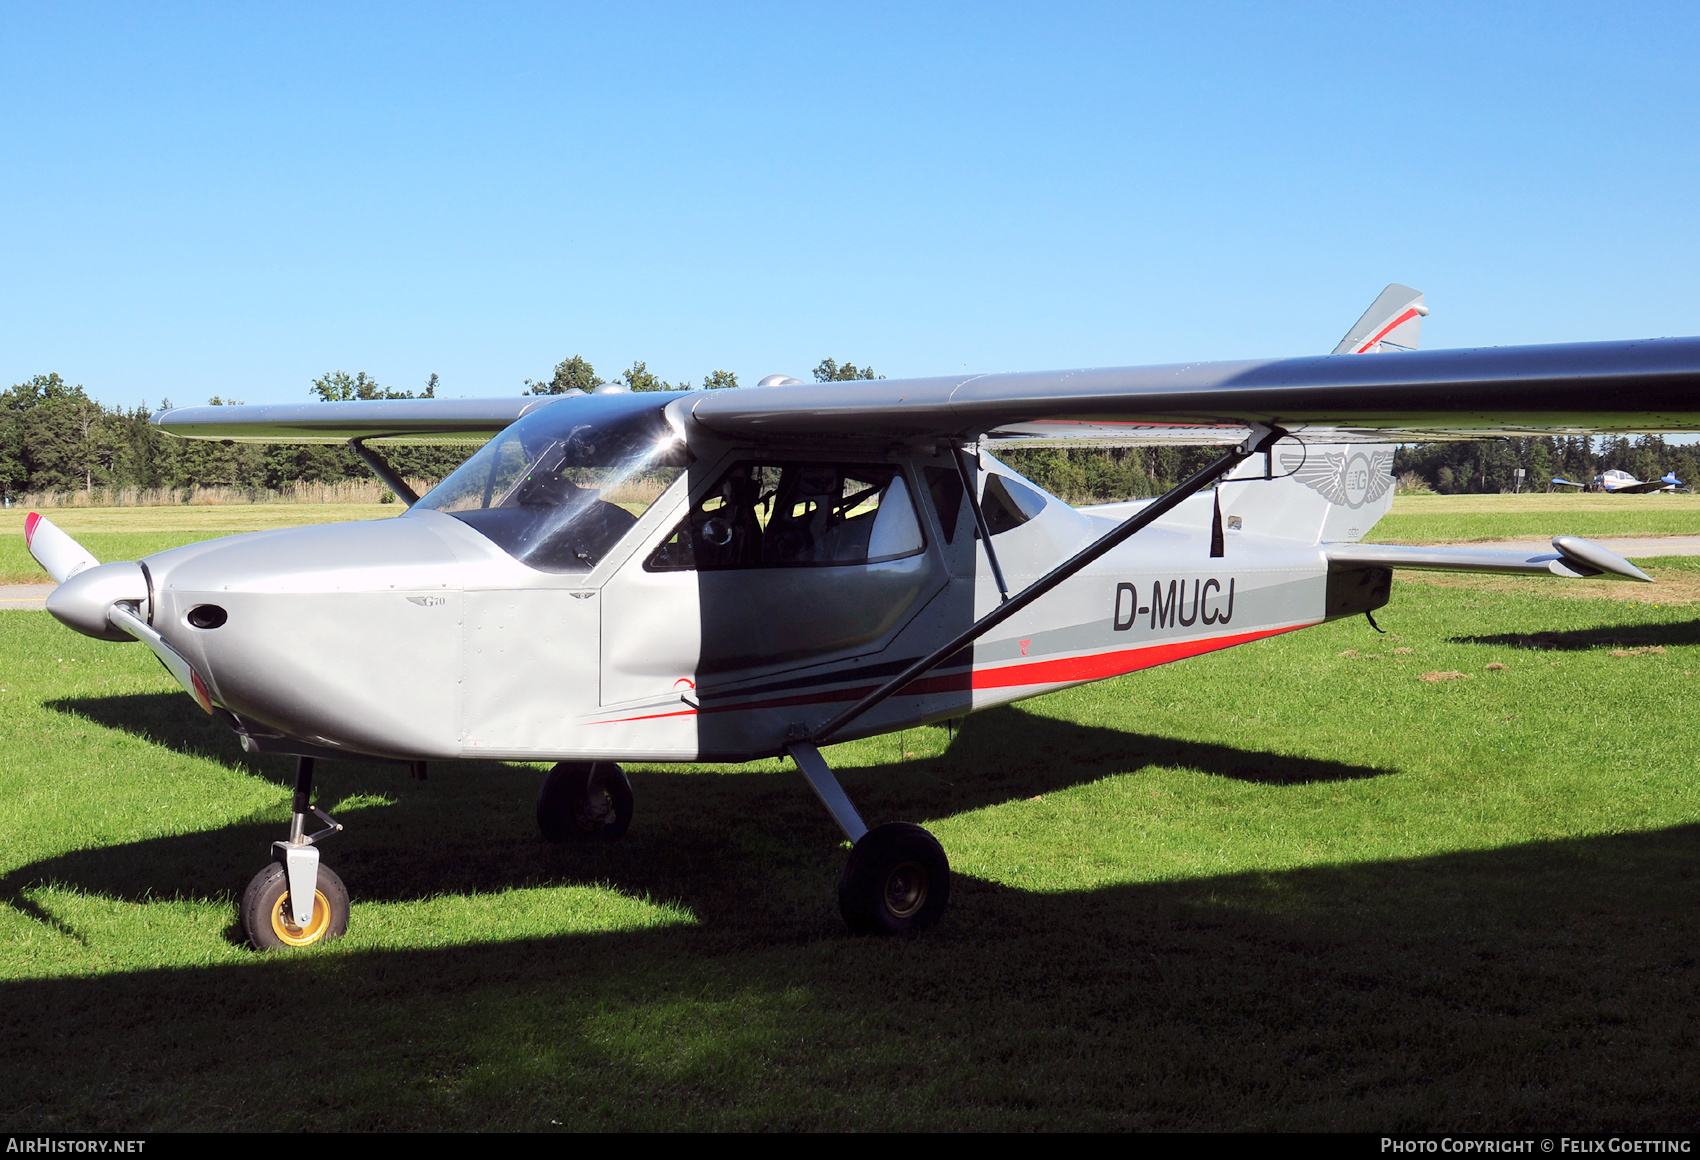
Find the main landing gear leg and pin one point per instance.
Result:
(296, 902)
(897, 878)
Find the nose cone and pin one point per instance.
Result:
(343, 635)
(81, 602)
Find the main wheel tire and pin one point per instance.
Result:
(897, 880)
(585, 801)
(266, 915)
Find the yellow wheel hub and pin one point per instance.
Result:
(283, 924)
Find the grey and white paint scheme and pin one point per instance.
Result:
(748, 573)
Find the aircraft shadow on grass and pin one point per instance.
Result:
(1544, 986)
(1338, 996)
(1686, 632)
(696, 837)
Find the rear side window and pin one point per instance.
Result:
(1007, 504)
(795, 515)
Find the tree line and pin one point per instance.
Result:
(1489, 466)
(1477, 467)
(54, 437)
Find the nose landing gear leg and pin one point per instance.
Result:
(897, 878)
(295, 901)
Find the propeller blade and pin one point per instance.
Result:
(121, 617)
(56, 552)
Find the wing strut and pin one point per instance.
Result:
(1150, 513)
(382, 469)
(979, 517)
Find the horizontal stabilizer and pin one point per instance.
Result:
(1575, 558)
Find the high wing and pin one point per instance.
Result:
(1574, 388)
(1643, 386)
(397, 420)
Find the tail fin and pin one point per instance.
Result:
(1316, 494)
(1392, 322)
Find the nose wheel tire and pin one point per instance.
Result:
(897, 880)
(584, 801)
(267, 919)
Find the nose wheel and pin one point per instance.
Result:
(296, 901)
(268, 916)
(584, 801)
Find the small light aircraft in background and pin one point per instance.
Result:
(1616, 482)
(722, 576)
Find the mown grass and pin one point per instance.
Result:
(127, 533)
(1290, 885)
(1436, 519)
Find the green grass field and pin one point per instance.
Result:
(129, 533)
(126, 533)
(1435, 519)
(1292, 885)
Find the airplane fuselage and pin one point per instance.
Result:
(420, 638)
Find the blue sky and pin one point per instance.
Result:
(224, 200)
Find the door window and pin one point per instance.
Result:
(795, 515)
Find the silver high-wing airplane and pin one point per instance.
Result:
(722, 576)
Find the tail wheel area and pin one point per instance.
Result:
(584, 801)
(897, 880)
(266, 915)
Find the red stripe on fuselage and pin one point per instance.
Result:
(1100, 665)
(645, 717)
(1067, 670)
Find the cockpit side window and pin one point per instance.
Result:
(795, 515)
(561, 487)
(1007, 504)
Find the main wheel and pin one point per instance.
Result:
(269, 923)
(896, 880)
(584, 800)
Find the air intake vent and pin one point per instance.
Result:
(207, 616)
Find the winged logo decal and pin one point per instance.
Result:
(1349, 478)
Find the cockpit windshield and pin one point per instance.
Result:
(558, 489)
